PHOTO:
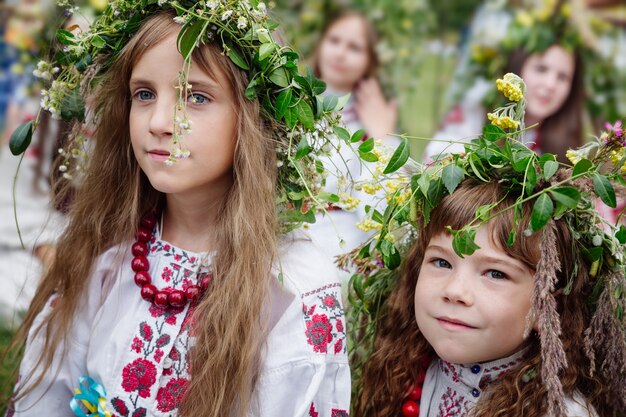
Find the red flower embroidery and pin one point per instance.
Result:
(167, 274)
(330, 301)
(338, 346)
(145, 331)
(158, 355)
(137, 345)
(318, 332)
(339, 413)
(166, 248)
(120, 406)
(312, 412)
(140, 412)
(139, 376)
(169, 397)
(177, 257)
(171, 320)
(339, 326)
(174, 354)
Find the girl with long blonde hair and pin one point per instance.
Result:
(173, 290)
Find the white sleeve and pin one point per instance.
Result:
(69, 363)
(576, 406)
(305, 371)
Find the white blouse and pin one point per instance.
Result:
(453, 389)
(138, 353)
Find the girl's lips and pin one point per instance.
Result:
(453, 324)
(159, 154)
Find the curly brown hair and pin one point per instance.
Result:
(391, 367)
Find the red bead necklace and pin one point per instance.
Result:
(410, 407)
(167, 297)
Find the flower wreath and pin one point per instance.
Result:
(304, 120)
(558, 191)
(535, 29)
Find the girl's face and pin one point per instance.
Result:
(472, 309)
(210, 108)
(548, 78)
(343, 54)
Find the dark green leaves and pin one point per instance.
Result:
(188, 37)
(493, 133)
(237, 58)
(65, 37)
(463, 241)
(282, 103)
(620, 235)
(604, 190)
(549, 169)
(399, 157)
(21, 137)
(305, 114)
(280, 77)
(582, 166)
(452, 176)
(568, 196)
(542, 211)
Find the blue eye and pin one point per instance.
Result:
(144, 95)
(441, 263)
(496, 274)
(198, 98)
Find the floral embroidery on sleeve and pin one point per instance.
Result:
(324, 320)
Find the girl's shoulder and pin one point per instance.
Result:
(303, 265)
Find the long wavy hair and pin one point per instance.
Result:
(230, 328)
(399, 346)
(562, 130)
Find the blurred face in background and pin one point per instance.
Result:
(548, 78)
(343, 55)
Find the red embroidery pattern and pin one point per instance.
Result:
(339, 413)
(323, 318)
(449, 369)
(452, 404)
(312, 412)
(159, 368)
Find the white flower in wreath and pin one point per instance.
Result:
(242, 22)
(212, 4)
(226, 14)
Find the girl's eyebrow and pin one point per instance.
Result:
(508, 261)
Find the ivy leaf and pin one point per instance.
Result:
(542, 210)
(582, 166)
(493, 133)
(549, 169)
(342, 133)
(452, 176)
(305, 114)
(21, 137)
(279, 77)
(620, 235)
(568, 196)
(282, 103)
(604, 190)
(358, 136)
(367, 146)
(399, 157)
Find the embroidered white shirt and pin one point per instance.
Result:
(139, 353)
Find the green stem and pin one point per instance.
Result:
(19, 233)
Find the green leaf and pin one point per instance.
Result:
(237, 59)
(189, 36)
(330, 102)
(452, 176)
(265, 50)
(303, 148)
(73, 106)
(568, 196)
(282, 103)
(305, 114)
(358, 136)
(368, 156)
(604, 190)
(582, 166)
(291, 117)
(251, 92)
(620, 235)
(296, 216)
(493, 133)
(399, 157)
(65, 37)
(98, 42)
(21, 137)
(542, 210)
(280, 77)
(342, 101)
(325, 196)
(549, 169)
(342, 133)
(367, 146)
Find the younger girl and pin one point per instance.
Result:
(510, 330)
(170, 292)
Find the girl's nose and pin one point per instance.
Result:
(457, 289)
(162, 118)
